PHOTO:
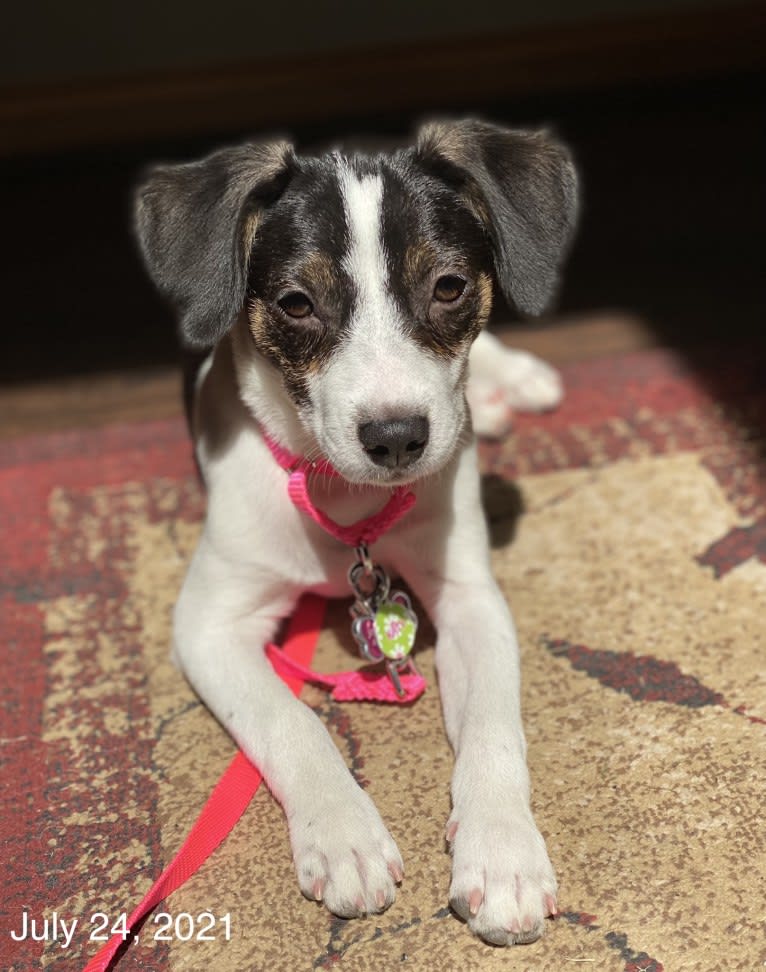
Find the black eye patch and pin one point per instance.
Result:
(299, 297)
(439, 258)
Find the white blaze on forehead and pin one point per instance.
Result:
(379, 371)
(365, 261)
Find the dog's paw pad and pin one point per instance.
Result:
(345, 857)
(503, 885)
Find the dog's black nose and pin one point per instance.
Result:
(395, 443)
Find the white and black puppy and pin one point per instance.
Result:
(345, 296)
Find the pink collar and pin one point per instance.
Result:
(364, 531)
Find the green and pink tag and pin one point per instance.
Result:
(389, 632)
(384, 624)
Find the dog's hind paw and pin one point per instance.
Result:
(503, 884)
(530, 384)
(501, 380)
(345, 856)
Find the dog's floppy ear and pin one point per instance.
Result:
(523, 186)
(196, 222)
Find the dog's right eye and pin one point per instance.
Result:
(296, 304)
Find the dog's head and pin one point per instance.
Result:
(365, 278)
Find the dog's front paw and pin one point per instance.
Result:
(503, 884)
(345, 856)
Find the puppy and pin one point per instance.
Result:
(345, 297)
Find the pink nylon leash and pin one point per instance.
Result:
(232, 794)
(224, 807)
(357, 685)
(240, 781)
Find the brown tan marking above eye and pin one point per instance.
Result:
(257, 316)
(296, 304)
(419, 261)
(319, 273)
(449, 289)
(484, 293)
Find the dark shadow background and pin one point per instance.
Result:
(672, 225)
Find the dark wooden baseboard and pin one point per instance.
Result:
(440, 75)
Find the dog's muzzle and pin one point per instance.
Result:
(395, 443)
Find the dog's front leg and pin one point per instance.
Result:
(502, 880)
(343, 853)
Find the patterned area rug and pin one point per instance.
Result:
(630, 538)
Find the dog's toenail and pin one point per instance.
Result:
(550, 904)
(396, 872)
(474, 901)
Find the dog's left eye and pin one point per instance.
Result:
(296, 304)
(448, 289)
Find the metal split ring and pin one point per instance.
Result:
(377, 578)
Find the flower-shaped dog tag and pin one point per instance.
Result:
(390, 632)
